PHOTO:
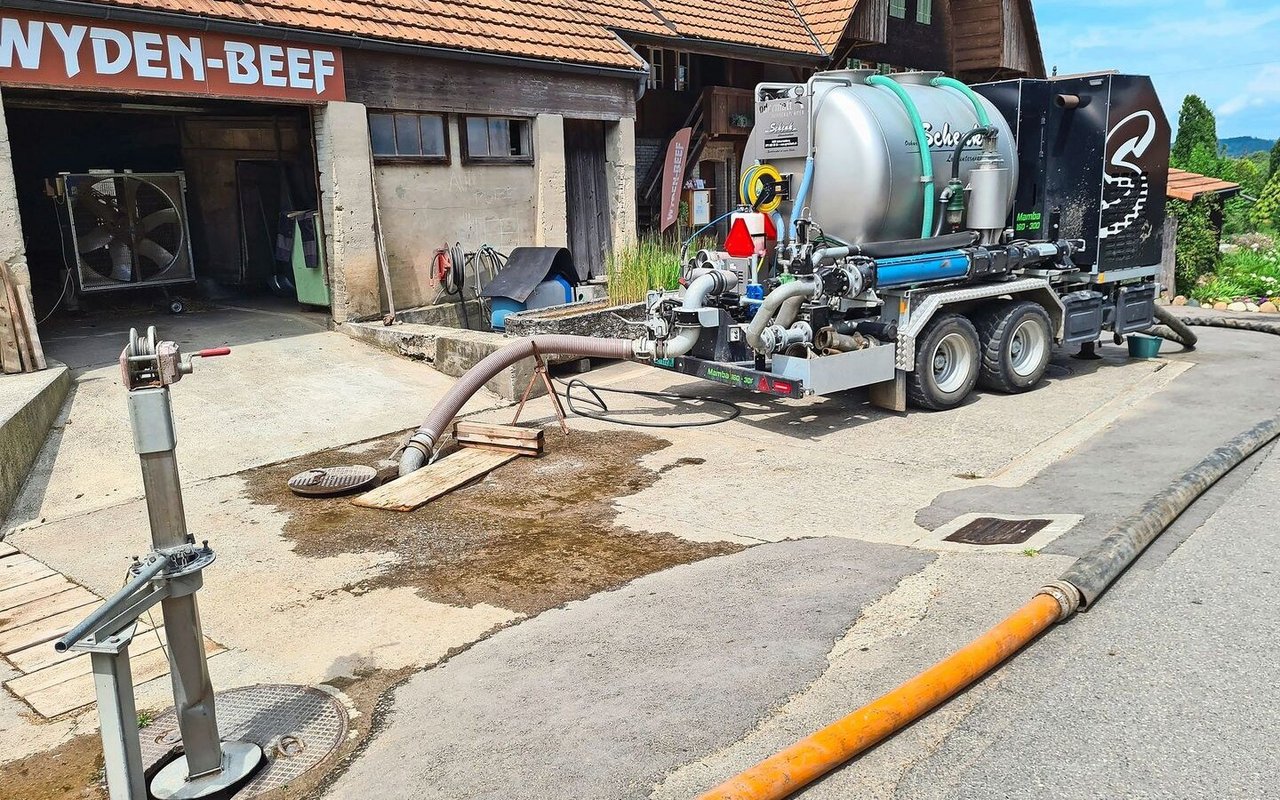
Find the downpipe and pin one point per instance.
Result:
(421, 445)
(804, 762)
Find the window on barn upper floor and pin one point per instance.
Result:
(898, 8)
(924, 11)
(497, 140)
(409, 136)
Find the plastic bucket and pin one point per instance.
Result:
(1145, 346)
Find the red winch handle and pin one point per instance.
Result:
(214, 351)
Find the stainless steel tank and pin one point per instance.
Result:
(866, 182)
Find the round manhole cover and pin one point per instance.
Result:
(296, 727)
(330, 481)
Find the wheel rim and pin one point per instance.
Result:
(952, 362)
(1027, 347)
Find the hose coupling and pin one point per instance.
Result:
(1067, 595)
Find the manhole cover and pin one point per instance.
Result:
(331, 481)
(989, 530)
(296, 726)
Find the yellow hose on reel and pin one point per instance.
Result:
(755, 179)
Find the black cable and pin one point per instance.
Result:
(596, 401)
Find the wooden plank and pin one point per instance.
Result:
(34, 658)
(10, 356)
(27, 319)
(525, 441)
(17, 570)
(79, 664)
(490, 429)
(78, 691)
(36, 610)
(33, 590)
(422, 486)
(37, 633)
(16, 319)
(7, 549)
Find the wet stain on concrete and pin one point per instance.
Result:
(534, 534)
(72, 770)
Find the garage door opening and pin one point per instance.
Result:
(132, 203)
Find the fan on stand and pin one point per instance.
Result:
(129, 230)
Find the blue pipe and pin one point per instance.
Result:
(910, 270)
(797, 205)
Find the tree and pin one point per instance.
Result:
(1275, 158)
(1196, 126)
(1197, 253)
(1266, 212)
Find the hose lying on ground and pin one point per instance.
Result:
(1178, 329)
(419, 448)
(602, 412)
(810, 758)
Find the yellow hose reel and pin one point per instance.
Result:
(761, 181)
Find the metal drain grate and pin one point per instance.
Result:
(331, 481)
(989, 530)
(296, 726)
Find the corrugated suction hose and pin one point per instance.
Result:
(786, 772)
(419, 448)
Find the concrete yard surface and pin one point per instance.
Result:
(641, 612)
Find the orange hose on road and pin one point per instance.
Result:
(817, 754)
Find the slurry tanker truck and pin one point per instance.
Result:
(913, 235)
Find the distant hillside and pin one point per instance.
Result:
(1238, 146)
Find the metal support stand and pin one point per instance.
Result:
(170, 576)
(540, 371)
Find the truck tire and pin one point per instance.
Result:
(1017, 341)
(947, 363)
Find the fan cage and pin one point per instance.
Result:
(129, 230)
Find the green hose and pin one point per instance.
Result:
(922, 139)
(978, 107)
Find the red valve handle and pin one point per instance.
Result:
(214, 351)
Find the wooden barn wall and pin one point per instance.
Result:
(408, 83)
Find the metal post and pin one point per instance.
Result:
(122, 754)
(155, 441)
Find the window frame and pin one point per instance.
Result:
(464, 140)
(898, 9)
(382, 158)
(924, 12)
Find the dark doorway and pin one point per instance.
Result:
(590, 237)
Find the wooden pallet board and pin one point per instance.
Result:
(434, 480)
(13, 640)
(19, 569)
(79, 664)
(78, 691)
(486, 436)
(36, 658)
(36, 610)
(33, 590)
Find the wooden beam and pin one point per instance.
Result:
(434, 480)
(486, 436)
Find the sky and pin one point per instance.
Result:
(1226, 51)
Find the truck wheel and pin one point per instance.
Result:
(1016, 345)
(946, 364)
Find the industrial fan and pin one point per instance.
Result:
(128, 229)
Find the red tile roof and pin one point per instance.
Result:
(578, 31)
(1187, 186)
(827, 19)
(555, 30)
